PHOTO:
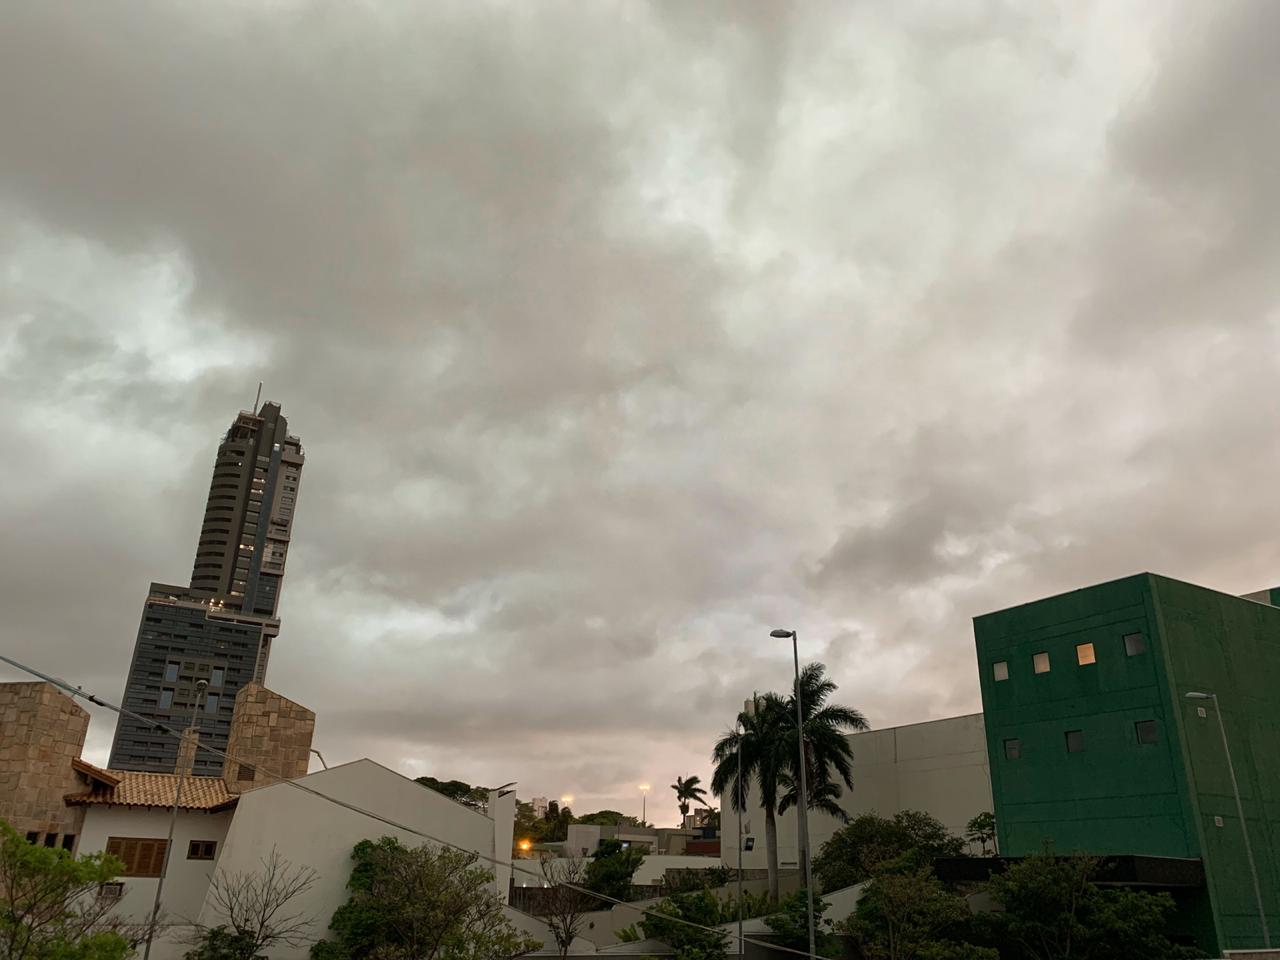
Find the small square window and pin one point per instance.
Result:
(1041, 661)
(68, 841)
(1217, 821)
(201, 849)
(1146, 731)
(1084, 654)
(1000, 670)
(50, 839)
(1134, 644)
(33, 836)
(1013, 749)
(1075, 741)
(246, 772)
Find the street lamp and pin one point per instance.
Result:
(1244, 828)
(802, 820)
(644, 797)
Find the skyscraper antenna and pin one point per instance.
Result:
(258, 398)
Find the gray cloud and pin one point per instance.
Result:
(618, 335)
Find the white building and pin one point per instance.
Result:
(939, 767)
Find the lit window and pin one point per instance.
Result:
(1000, 670)
(1012, 749)
(1147, 732)
(1134, 644)
(1075, 741)
(1084, 654)
(1041, 661)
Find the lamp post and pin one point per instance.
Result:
(201, 687)
(749, 710)
(644, 796)
(802, 807)
(1244, 828)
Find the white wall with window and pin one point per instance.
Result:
(137, 836)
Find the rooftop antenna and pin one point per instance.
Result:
(258, 398)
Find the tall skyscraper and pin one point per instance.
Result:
(220, 628)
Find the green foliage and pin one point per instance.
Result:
(49, 904)
(475, 797)
(663, 922)
(871, 844)
(982, 831)
(418, 904)
(222, 943)
(686, 880)
(628, 934)
(791, 924)
(1052, 910)
(911, 916)
(612, 868)
(607, 818)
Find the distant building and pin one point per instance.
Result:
(540, 806)
(1097, 749)
(220, 629)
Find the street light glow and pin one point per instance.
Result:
(645, 788)
(526, 845)
(567, 798)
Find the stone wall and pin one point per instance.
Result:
(270, 739)
(41, 731)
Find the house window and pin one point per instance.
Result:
(111, 891)
(33, 836)
(1075, 741)
(68, 841)
(201, 849)
(1134, 644)
(246, 772)
(1085, 654)
(50, 839)
(1146, 731)
(1041, 662)
(142, 857)
(1013, 749)
(1000, 670)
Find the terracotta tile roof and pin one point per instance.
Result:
(154, 790)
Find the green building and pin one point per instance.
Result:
(1095, 747)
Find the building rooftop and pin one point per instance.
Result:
(127, 788)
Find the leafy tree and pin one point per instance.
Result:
(982, 831)
(565, 905)
(823, 796)
(475, 797)
(50, 907)
(791, 925)
(257, 911)
(418, 904)
(870, 844)
(664, 922)
(911, 916)
(689, 790)
(607, 818)
(612, 868)
(685, 879)
(1052, 910)
(769, 752)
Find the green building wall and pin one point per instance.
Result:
(1119, 795)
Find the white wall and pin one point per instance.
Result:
(939, 767)
(187, 880)
(314, 832)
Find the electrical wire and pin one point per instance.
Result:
(373, 815)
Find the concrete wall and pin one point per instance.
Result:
(187, 880)
(311, 831)
(41, 731)
(939, 767)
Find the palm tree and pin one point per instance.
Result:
(687, 789)
(758, 737)
(770, 755)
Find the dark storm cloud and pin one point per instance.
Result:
(617, 335)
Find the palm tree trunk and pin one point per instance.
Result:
(771, 853)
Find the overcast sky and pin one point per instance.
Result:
(618, 334)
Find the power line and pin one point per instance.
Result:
(355, 808)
